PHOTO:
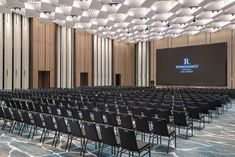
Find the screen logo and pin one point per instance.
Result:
(187, 67)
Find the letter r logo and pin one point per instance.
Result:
(186, 61)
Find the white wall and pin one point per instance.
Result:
(25, 53)
(142, 61)
(102, 61)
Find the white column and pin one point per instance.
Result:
(148, 52)
(99, 61)
(144, 53)
(106, 83)
(72, 57)
(58, 54)
(17, 51)
(110, 62)
(95, 60)
(1, 50)
(8, 51)
(102, 61)
(69, 56)
(139, 64)
(25, 53)
(63, 57)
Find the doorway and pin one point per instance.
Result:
(44, 79)
(118, 80)
(83, 79)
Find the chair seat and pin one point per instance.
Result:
(142, 145)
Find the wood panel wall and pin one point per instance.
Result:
(199, 39)
(43, 56)
(83, 56)
(124, 62)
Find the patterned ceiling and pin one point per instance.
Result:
(130, 20)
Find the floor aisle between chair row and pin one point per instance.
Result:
(216, 140)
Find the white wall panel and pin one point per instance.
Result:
(58, 54)
(99, 61)
(69, 58)
(1, 50)
(17, 51)
(63, 57)
(103, 61)
(8, 51)
(110, 62)
(106, 67)
(148, 64)
(25, 53)
(139, 56)
(95, 60)
(144, 64)
(72, 57)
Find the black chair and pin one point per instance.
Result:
(111, 119)
(62, 129)
(182, 121)
(142, 126)
(38, 123)
(109, 139)
(98, 117)
(130, 144)
(126, 121)
(160, 129)
(91, 135)
(193, 113)
(164, 114)
(75, 132)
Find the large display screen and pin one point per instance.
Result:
(202, 65)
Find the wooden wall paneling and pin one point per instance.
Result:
(95, 61)
(110, 62)
(152, 59)
(148, 64)
(198, 39)
(233, 60)
(58, 56)
(1, 51)
(17, 51)
(144, 64)
(89, 59)
(8, 51)
(63, 57)
(35, 51)
(42, 47)
(179, 41)
(52, 56)
(48, 42)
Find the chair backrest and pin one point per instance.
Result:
(128, 139)
(49, 124)
(2, 114)
(193, 112)
(86, 115)
(75, 114)
(54, 110)
(142, 124)
(91, 132)
(126, 121)
(64, 112)
(62, 127)
(160, 127)
(111, 119)
(164, 114)
(98, 117)
(179, 118)
(16, 115)
(75, 128)
(37, 119)
(108, 135)
(45, 109)
(26, 117)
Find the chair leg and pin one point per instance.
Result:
(85, 147)
(54, 139)
(168, 145)
(34, 130)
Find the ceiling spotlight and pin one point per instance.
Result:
(168, 25)
(47, 12)
(194, 18)
(16, 8)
